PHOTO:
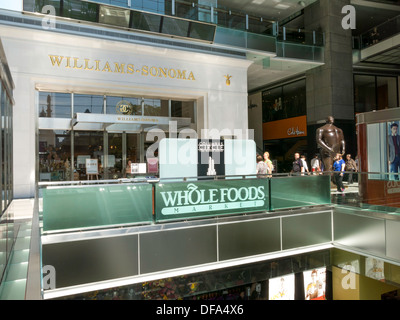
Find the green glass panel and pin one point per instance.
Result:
(300, 191)
(96, 206)
(40, 6)
(175, 27)
(145, 21)
(114, 16)
(202, 31)
(175, 201)
(80, 10)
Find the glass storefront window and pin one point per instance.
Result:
(88, 103)
(54, 105)
(294, 99)
(6, 149)
(156, 107)
(375, 93)
(287, 101)
(3, 145)
(364, 93)
(54, 155)
(272, 103)
(386, 89)
(183, 109)
(114, 159)
(87, 145)
(132, 148)
(10, 152)
(123, 105)
(62, 154)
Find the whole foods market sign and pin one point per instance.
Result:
(210, 198)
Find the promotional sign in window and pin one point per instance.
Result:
(374, 269)
(281, 288)
(152, 165)
(92, 166)
(210, 198)
(138, 168)
(211, 160)
(315, 284)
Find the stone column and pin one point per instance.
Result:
(330, 87)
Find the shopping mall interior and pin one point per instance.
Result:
(129, 143)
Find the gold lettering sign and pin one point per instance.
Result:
(121, 68)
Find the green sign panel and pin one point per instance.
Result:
(210, 198)
(96, 206)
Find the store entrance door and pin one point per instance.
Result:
(123, 149)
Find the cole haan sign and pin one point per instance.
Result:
(120, 68)
(198, 199)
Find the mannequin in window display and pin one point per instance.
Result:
(394, 150)
(330, 140)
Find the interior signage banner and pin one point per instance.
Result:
(210, 198)
(211, 160)
(285, 129)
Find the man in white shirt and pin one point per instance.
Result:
(305, 166)
(315, 165)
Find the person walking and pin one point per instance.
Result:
(338, 168)
(315, 165)
(305, 165)
(268, 162)
(350, 168)
(261, 167)
(297, 166)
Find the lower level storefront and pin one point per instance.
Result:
(322, 275)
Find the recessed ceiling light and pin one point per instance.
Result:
(282, 6)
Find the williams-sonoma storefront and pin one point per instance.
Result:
(87, 107)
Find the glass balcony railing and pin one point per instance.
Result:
(103, 204)
(79, 207)
(180, 19)
(377, 34)
(377, 192)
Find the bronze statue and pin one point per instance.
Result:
(330, 140)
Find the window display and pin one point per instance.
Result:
(268, 280)
(54, 155)
(315, 284)
(282, 288)
(393, 141)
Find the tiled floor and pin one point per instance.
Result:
(14, 284)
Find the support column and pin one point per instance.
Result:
(330, 87)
